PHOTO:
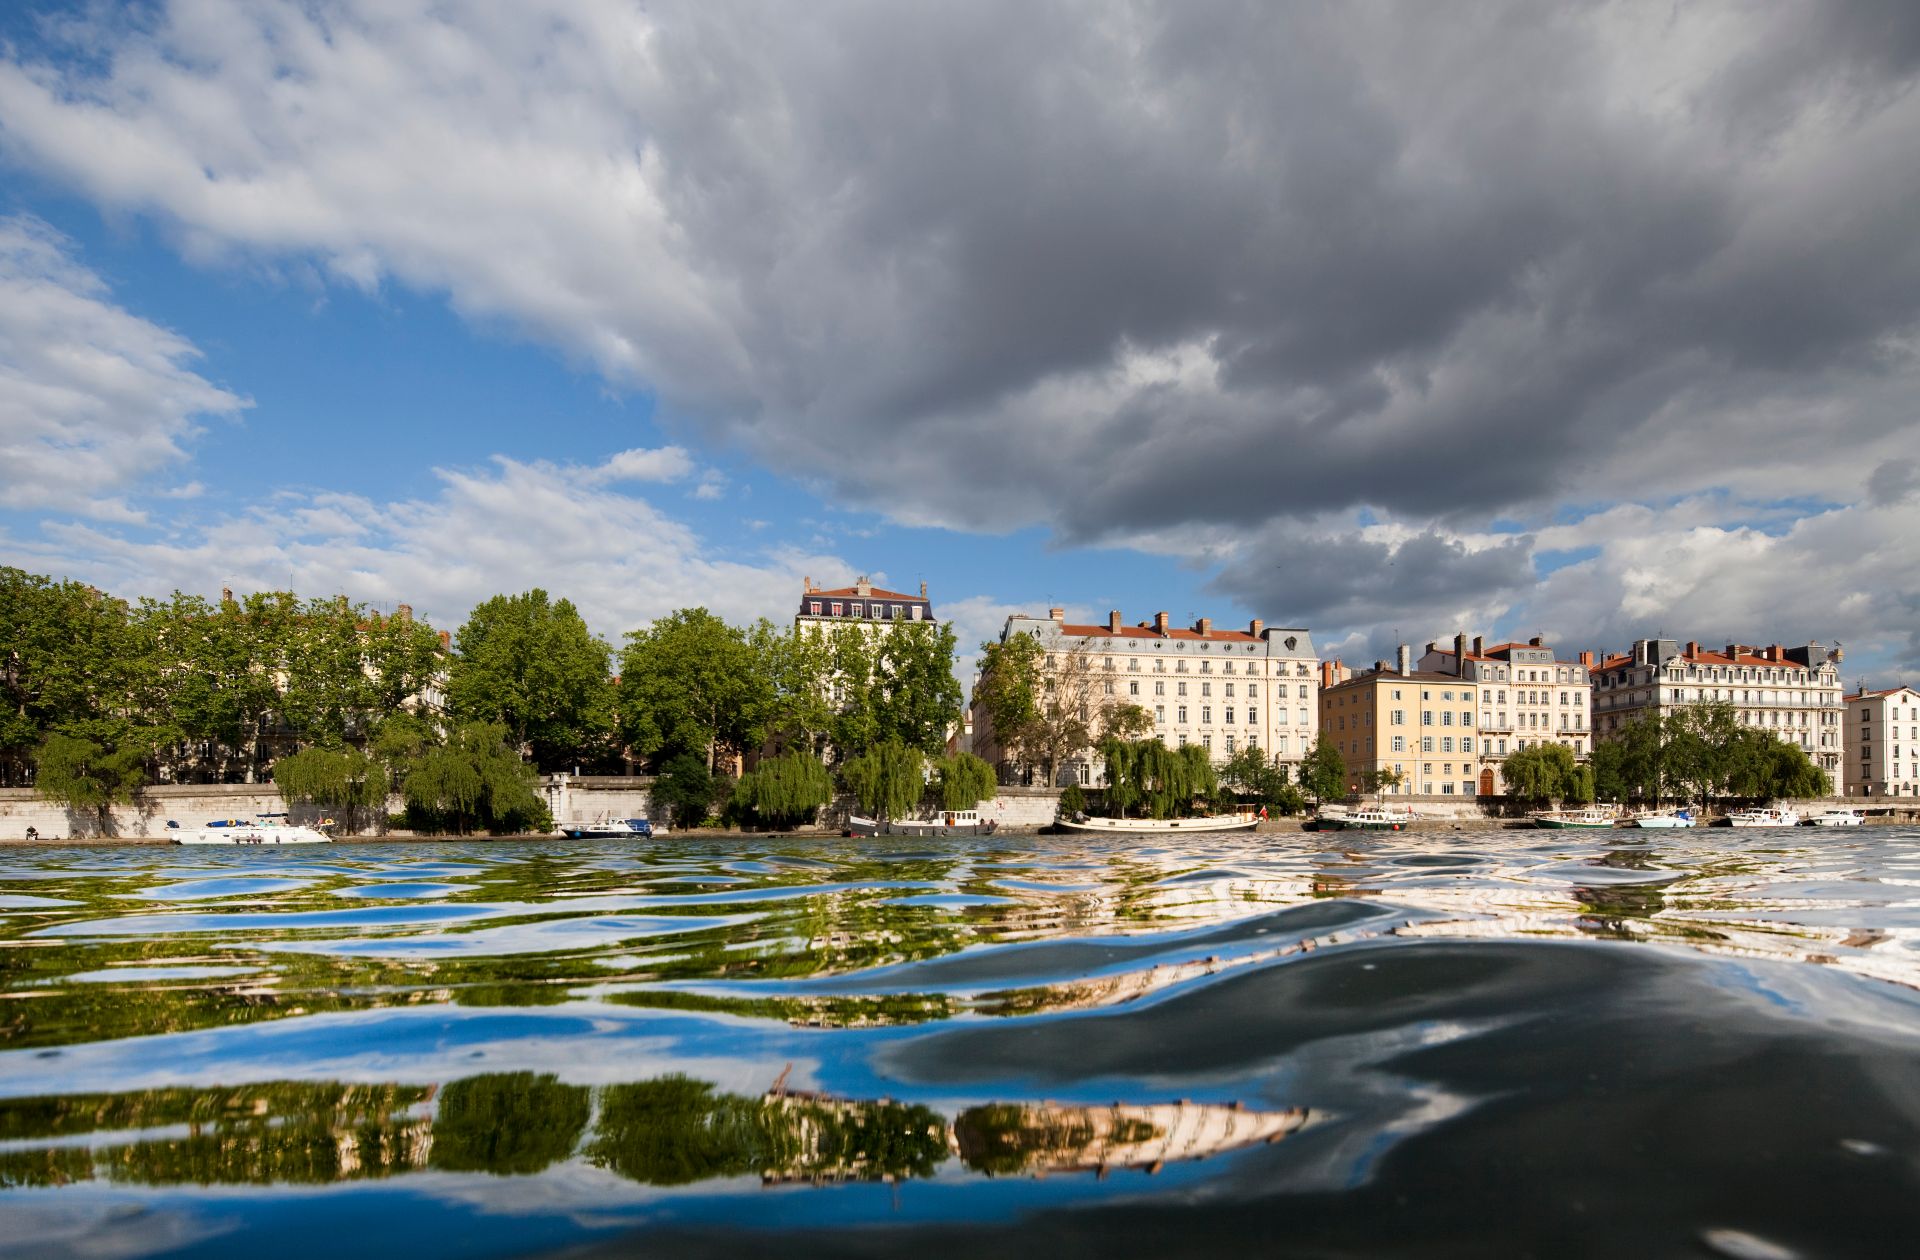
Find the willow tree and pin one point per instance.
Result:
(89, 766)
(888, 781)
(964, 780)
(1166, 781)
(476, 779)
(350, 780)
(784, 790)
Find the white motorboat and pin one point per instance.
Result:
(1835, 818)
(1768, 817)
(262, 829)
(1379, 818)
(1673, 818)
(1154, 826)
(946, 822)
(606, 828)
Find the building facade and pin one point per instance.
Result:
(1419, 725)
(1794, 693)
(862, 604)
(1882, 737)
(1524, 694)
(1226, 690)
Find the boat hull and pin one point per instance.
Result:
(1662, 821)
(858, 826)
(251, 837)
(1154, 826)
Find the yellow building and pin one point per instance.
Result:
(1416, 725)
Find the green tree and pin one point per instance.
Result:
(68, 656)
(691, 683)
(784, 791)
(686, 789)
(349, 780)
(963, 781)
(531, 665)
(888, 780)
(798, 669)
(475, 779)
(1047, 704)
(1540, 772)
(1258, 781)
(1323, 772)
(88, 766)
(507, 1123)
(916, 697)
(1166, 782)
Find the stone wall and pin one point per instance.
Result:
(191, 804)
(593, 798)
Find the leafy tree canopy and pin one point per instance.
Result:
(531, 665)
(691, 683)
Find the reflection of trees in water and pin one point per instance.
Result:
(669, 1131)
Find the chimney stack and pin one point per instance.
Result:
(1160, 623)
(1460, 655)
(1204, 625)
(1256, 627)
(863, 587)
(1586, 658)
(923, 590)
(1479, 645)
(226, 594)
(1693, 647)
(405, 614)
(1535, 642)
(1431, 645)
(806, 585)
(1057, 614)
(1113, 622)
(1406, 658)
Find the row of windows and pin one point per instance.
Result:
(860, 608)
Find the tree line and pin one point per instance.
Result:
(341, 704)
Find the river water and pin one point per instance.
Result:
(1466, 1043)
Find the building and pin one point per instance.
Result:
(1226, 690)
(862, 604)
(1524, 696)
(1792, 692)
(1882, 738)
(1419, 725)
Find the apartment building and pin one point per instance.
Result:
(1419, 724)
(1524, 695)
(862, 604)
(1792, 692)
(1882, 738)
(1224, 689)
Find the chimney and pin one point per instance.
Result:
(1460, 655)
(1693, 647)
(1479, 645)
(446, 640)
(1160, 623)
(1863, 688)
(1329, 673)
(1735, 650)
(1406, 659)
(1113, 622)
(226, 594)
(1535, 642)
(863, 587)
(404, 614)
(923, 590)
(1431, 645)
(1057, 614)
(1586, 659)
(1779, 653)
(1256, 627)
(1204, 625)
(806, 585)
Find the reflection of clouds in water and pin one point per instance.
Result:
(591, 932)
(106, 1223)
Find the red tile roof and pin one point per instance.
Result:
(1148, 632)
(1875, 695)
(853, 592)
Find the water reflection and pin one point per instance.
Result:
(668, 1131)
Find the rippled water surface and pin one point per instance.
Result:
(1443, 1043)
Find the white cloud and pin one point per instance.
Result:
(94, 401)
(666, 463)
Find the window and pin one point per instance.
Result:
(1160, 713)
(1206, 742)
(1109, 662)
(1159, 688)
(1446, 717)
(856, 608)
(1426, 693)
(1446, 743)
(1109, 686)
(1253, 715)
(813, 607)
(1503, 748)
(1466, 743)
(1303, 691)
(1180, 688)
(1397, 718)
(1399, 743)
(1133, 688)
(1426, 743)
(836, 608)
(1181, 714)
(1229, 745)
(1206, 713)
(1206, 688)
(1396, 693)
(1229, 691)
(1426, 717)
(1280, 716)
(1229, 715)
(1466, 719)
(1279, 743)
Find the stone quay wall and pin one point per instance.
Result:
(190, 804)
(596, 797)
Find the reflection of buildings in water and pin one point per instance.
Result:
(1001, 1139)
(665, 1131)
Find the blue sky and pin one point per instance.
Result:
(1593, 323)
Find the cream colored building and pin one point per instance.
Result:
(1226, 690)
(1794, 693)
(1525, 695)
(862, 604)
(1882, 737)
(1419, 724)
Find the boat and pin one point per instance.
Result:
(606, 828)
(946, 822)
(1379, 818)
(1835, 818)
(1671, 818)
(1588, 817)
(1154, 826)
(1768, 817)
(1328, 818)
(261, 829)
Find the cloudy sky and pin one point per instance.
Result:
(1597, 321)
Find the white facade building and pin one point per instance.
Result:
(1225, 690)
(1883, 742)
(1524, 696)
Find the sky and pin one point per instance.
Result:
(1596, 321)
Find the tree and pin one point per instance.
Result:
(1049, 705)
(964, 781)
(532, 666)
(90, 765)
(1256, 780)
(784, 791)
(1540, 772)
(1700, 748)
(349, 780)
(1322, 773)
(68, 657)
(1380, 779)
(798, 669)
(1167, 782)
(475, 778)
(893, 681)
(687, 789)
(888, 781)
(690, 683)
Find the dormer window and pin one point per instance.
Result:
(836, 608)
(814, 607)
(857, 610)
(917, 611)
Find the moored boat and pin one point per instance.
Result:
(605, 828)
(1589, 817)
(1380, 818)
(1153, 826)
(1835, 818)
(1672, 818)
(1328, 818)
(946, 822)
(262, 829)
(1767, 817)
